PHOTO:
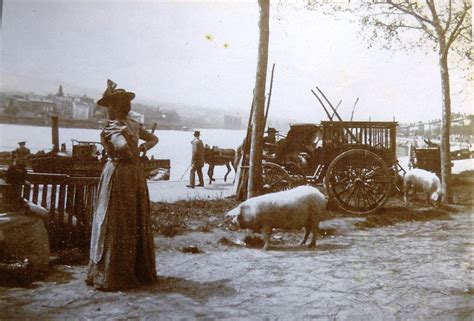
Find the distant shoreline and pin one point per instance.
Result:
(67, 123)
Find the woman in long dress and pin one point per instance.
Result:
(122, 252)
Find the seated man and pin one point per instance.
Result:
(270, 145)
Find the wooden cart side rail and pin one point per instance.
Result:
(380, 135)
(70, 202)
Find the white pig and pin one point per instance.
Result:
(299, 207)
(422, 181)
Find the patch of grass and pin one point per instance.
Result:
(463, 188)
(398, 214)
(170, 219)
(254, 241)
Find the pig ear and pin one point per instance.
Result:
(239, 216)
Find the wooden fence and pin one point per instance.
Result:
(70, 202)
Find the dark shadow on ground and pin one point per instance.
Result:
(218, 187)
(195, 290)
(58, 275)
(306, 248)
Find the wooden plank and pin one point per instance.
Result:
(41, 178)
(61, 203)
(385, 124)
(79, 214)
(35, 193)
(26, 191)
(83, 180)
(44, 196)
(52, 203)
(71, 190)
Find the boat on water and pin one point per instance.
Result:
(86, 160)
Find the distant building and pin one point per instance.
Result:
(19, 103)
(232, 122)
(73, 106)
(64, 106)
(60, 91)
(81, 110)
(42, 106)
(433, 126)
(31, 107)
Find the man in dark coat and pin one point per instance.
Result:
(197, 161)
(21, 154)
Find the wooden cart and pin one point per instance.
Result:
(355, 161)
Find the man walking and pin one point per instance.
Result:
(197, 161)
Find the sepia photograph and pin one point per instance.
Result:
(236, 160)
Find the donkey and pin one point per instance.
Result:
(218, 156)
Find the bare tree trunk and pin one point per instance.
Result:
(256, 147)
(445, 130)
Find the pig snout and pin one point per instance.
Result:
(232, 215)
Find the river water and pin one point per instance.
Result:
(174, 145)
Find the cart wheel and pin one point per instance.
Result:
(358, 181)
(297, 174)
(275, 178)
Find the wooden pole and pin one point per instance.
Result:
(353, 108)
(330, 105)
(256, 147)
(269, 97)
(322, 104)
(338, 117)
(55, 133)
(240, 189)
(337, 107)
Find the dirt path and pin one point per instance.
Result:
(412, 270)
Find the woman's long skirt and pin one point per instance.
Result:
(122, 253)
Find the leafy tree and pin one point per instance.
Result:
(445, 25)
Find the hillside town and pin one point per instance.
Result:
(82, 111)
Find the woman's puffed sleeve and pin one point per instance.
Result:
(115, 137)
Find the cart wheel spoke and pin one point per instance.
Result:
(275, 178)
(367, 173)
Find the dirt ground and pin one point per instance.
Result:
(402, 263)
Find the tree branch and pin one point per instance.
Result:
(457, 29)
(431, 5)
(410, 12)
(426, 29)
(448, 22)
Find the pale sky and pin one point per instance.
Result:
(160, 51)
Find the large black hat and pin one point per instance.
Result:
(112, 93)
